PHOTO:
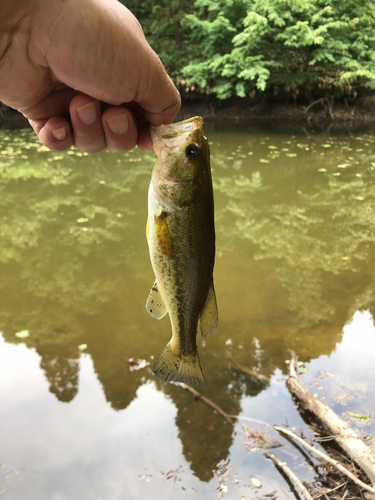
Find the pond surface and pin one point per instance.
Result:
(295, 269)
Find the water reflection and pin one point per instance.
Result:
(295, 260)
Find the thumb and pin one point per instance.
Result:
(98, 47)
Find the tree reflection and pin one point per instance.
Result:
(294, 262)
(61, 370)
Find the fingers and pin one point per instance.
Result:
(86, 122)
(119, 128)
(55, 133)
(89, 129)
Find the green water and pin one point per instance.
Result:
(294, 269)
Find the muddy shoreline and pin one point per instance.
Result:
(316, 116)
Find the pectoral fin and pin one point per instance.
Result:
(208, 318)
(155, 304)
(163, 234)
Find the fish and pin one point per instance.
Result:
(181, 239)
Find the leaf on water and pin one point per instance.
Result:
(326, 145)
(256, 482)
(302, 367)
(287, 393)
(23, 334)
(322, 170)
(82, 347)
(291, 155)
(263, 160)
(272, 147)
(336, 174)
(358, 175)
(81, 220)
(361, 418)
(250, 153)
(345, 258)
(359, 198)
(102, 182)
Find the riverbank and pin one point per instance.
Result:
(320, 115)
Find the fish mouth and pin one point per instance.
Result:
(174, 134)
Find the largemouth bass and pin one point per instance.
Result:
(181, 239)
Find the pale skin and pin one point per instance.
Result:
(83, 74)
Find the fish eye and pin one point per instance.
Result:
(192, 151)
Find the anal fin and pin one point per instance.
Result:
(155, 303)
(208, 318)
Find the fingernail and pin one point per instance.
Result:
(59, 133)
(118, 124)
(87, 113)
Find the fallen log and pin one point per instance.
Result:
(345, 437)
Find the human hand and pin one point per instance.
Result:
(83, 74)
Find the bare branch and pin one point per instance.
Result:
(289, 473)
(207, 401)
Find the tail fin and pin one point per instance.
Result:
(171, 367)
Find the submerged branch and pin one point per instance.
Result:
(325, 457)
(289, 473)
(207, 401)
(249, 371)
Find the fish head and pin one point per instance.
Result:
(182, 169)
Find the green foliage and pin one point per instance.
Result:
(239, 47)
(163, 25)
(307, 46)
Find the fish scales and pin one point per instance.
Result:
(181, 239)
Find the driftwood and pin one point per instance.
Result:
(346, 437)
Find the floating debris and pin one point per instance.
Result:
(23, 334)
(137, 364)
(256, 482)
